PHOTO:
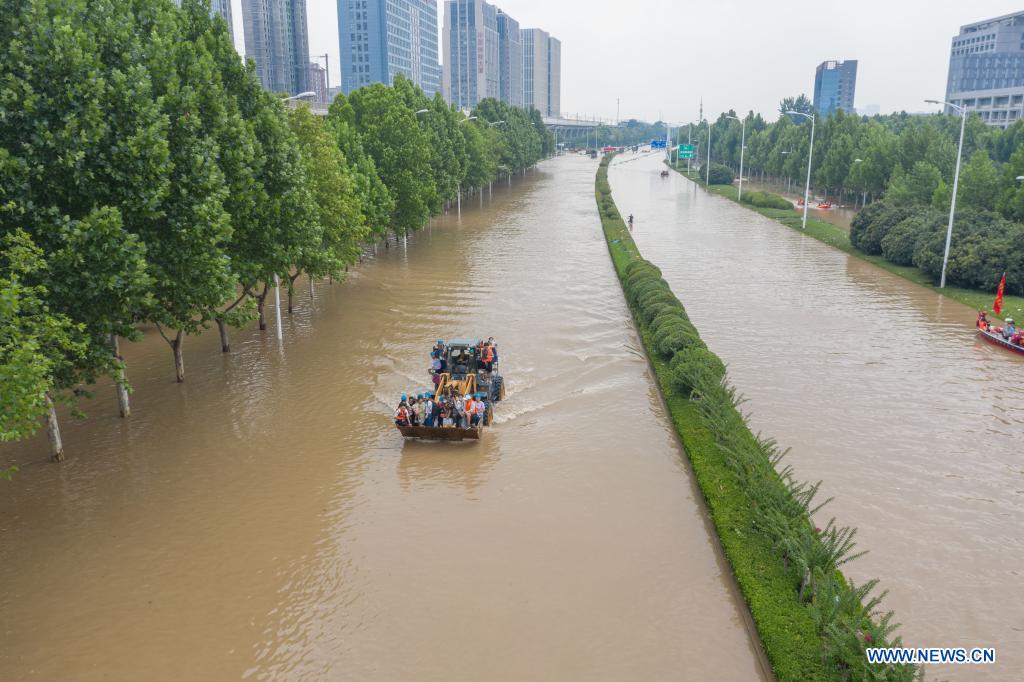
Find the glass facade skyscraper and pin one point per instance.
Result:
(986, 69)
(542, 72)
(510, 60)
(471, 52)
(834, 86)
(277, 39)
(380, 39)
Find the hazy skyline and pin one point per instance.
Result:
(660, 57)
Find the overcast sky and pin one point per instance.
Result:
(661, 56)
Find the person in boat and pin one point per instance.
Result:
(402, 413)
(479, 409)
(1009, 329)
(982, 321)
(488, 357)
(428, 410)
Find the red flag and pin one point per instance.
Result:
(998, 305)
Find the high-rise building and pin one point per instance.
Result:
(318, 82)
(554, 77)
(380, 39)
(834, 86)
(986, 69)
(542, 71)
(510, 60)
(535, 69)
(471, 52)
(277, 39)
(223, 8)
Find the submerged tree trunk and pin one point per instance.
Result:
(121, 379)
(179, 361)
(225, 342)
(291, 290)
(312, 297)
(53, 431)
(261, 306)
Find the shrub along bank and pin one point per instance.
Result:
(979, 248)
(813, 622)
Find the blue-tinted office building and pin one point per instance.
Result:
(834, 86)
(380, 39)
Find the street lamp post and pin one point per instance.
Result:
(810, 158)
(707, 180)
(301, 95)
(956, 180)
(689, 140)
(743, 144)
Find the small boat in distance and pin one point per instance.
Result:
(998, 340)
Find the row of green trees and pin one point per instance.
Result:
(908, 159)
(147, 179)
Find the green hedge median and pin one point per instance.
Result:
(813, 622)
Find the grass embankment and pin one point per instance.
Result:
(813, 623)
(1013, 306)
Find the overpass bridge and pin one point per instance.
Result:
(564, 127)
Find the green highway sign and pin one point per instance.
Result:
(686, 151)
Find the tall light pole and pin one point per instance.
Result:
(810, 157)
(743, 143)
(689, 140)
(956, 180)
(707, 181)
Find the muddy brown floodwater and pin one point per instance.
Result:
(265, 520)
(880, 388)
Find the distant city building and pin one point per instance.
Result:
(870, 110)
(510, 60)
(554, 77)
(471, 52)
(318, 82)
(380, 39)
(223, 8)
(986, 69)
(834, 86)
(277, 39)
(542, 72)
(333, 92)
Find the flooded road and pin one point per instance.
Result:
(880, 388)
(264, 520)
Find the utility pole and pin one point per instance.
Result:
(327, 74)
(618, 110)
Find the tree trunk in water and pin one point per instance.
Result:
(225, 343)
(261, 307)
(291, 307)
(120, 379)
(53, 431)
(179, 361)
(311, 296)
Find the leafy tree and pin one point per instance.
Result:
(333, 189)
(83, 158)
(915, 187)
(36, 344)
(186, 241)
(980, 183)
(871, 225)
(375, 199)
(400, 150)
(799, 103)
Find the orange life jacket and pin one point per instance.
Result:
(488, 354)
